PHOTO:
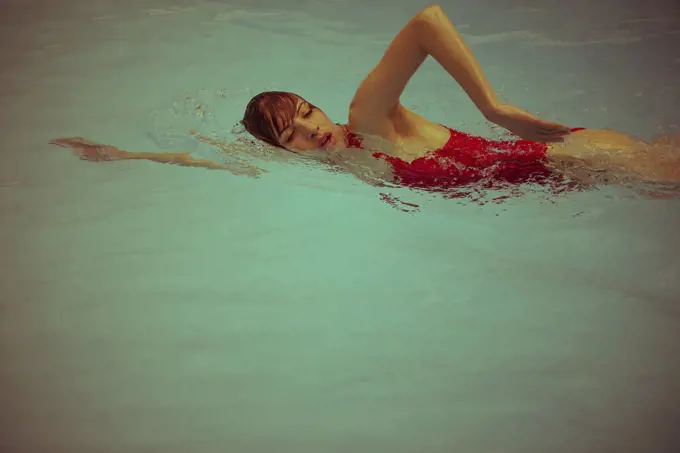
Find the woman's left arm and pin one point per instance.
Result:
(429, 32)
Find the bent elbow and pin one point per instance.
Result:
(431, 11)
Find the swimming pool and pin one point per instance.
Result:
(148, 307)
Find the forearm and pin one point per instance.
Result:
(183, 159)
(438, 37)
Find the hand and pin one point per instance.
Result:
(527, 126)
(87, 150)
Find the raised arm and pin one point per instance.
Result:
(430, 32)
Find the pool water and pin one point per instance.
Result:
(154, 308)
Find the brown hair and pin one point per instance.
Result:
(269, 113)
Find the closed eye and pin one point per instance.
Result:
(307, 114)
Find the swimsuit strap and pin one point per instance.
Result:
(353, 140)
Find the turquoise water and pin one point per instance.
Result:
(152, 308)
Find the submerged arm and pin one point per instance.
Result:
(97, 152)
(186, 160)
(183, 159)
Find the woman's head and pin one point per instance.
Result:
(288, 121)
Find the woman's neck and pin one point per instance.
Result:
(353, 140)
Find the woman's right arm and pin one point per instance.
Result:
(183, 159)
(186, 160)
(87, 150)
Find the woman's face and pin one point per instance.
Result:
(311, 130)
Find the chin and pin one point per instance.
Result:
(339, 140)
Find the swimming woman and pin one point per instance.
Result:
(413, 150)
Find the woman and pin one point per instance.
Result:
(415, 151)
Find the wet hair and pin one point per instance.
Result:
(269, 113)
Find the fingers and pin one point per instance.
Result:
(554, 132)
(63, 142)
(89, 153)
(70, 141)
(552, 137)
(551, 126)
(555, 140)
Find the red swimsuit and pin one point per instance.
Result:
(466, 159)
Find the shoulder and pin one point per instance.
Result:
(364, 121)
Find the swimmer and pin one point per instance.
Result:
(415, 151)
